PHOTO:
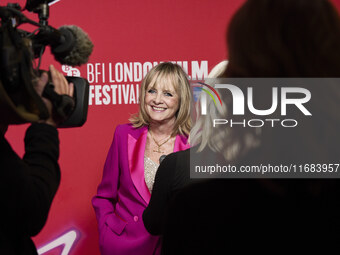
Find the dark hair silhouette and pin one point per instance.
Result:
(281, 39)
(284, 38)
(288, 38)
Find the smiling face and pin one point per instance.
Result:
(165, 97)
(162, 101)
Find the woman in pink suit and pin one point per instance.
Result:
(161, 127)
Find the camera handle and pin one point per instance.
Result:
(63, 105)
(72, 112)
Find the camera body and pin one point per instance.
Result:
(19, 102)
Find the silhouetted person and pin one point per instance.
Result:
(28, 185)
(266, 38)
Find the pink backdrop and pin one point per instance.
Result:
(129, 37)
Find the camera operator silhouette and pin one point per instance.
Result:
(28, 185)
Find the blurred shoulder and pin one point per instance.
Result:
(181, 157)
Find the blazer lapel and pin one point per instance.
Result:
(181, 143)
(136, 151)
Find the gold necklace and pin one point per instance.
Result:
(159, 145)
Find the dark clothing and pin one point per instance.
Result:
(27, 187)
(250, 215)
(211, 216)
(171, 176)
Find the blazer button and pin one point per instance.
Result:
(135, 218)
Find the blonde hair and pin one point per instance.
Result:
(219, 139)
(201, 132)
(177, 77)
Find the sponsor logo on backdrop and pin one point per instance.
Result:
(119, 83)
(67, 241)
(70, 71)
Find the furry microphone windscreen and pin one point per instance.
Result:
(81, 48)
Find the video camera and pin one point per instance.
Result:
(19, 102)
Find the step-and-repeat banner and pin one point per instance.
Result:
(129, 37)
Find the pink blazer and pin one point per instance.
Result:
(123, 195)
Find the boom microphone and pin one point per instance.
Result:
(70, 45)
(74, 47)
